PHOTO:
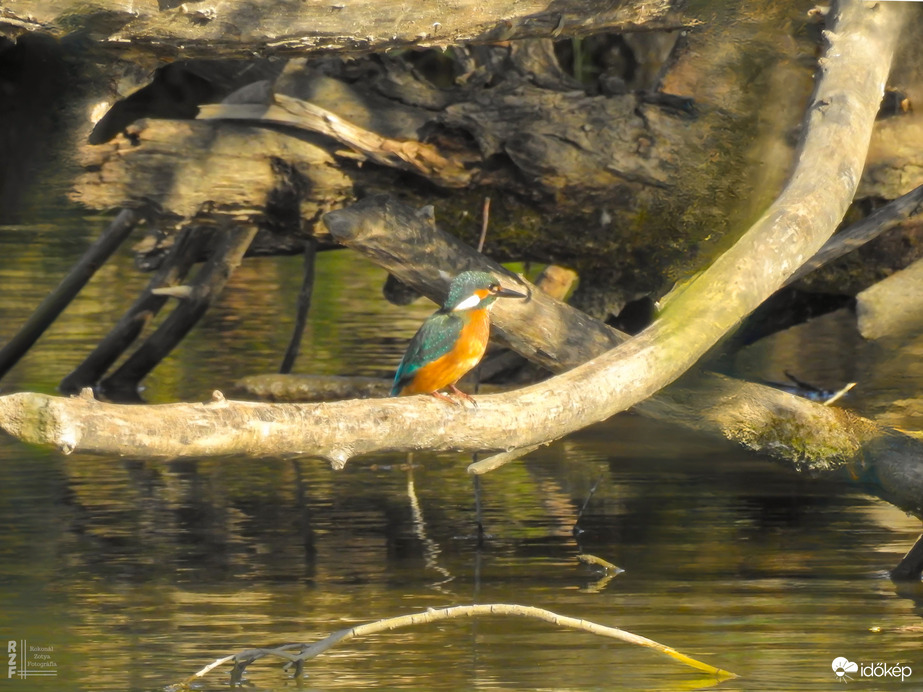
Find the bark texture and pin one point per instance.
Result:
(606, 175)
(892, 307)
(238, 29)
(635, 177)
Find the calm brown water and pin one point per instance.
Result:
(139, 573)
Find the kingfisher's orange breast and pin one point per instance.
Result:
(449, 368)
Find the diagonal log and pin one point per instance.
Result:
(55, 303)
(408, 244)
(418, 157)
(858, 234)
(174, 269)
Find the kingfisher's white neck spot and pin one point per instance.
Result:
(470, 302)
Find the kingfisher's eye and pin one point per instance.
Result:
(493, 288)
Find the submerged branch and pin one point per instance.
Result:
(205, 289)
(298, 653)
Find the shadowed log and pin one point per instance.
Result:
(301, 388)
(892, 307)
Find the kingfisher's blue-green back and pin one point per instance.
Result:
(435, 338)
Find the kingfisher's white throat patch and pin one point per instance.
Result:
(468, 303)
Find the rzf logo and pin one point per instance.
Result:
(11, 650)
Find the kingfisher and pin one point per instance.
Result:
(452, 340)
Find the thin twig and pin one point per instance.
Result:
(839, 394)
(304, 306)
(485, 219)
(478, 509)
(478, 468)
(586, 503)
(596, 561)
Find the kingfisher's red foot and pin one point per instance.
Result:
(443, 397)
(459, 393)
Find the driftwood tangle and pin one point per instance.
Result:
(635, 186)
(579, 174)
(807, 435)
(836, 133)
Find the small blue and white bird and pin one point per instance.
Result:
(452, 340)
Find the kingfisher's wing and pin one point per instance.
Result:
(435, 337)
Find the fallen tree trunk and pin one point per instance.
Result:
(236, 29)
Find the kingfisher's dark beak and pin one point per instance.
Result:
(508, 293)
